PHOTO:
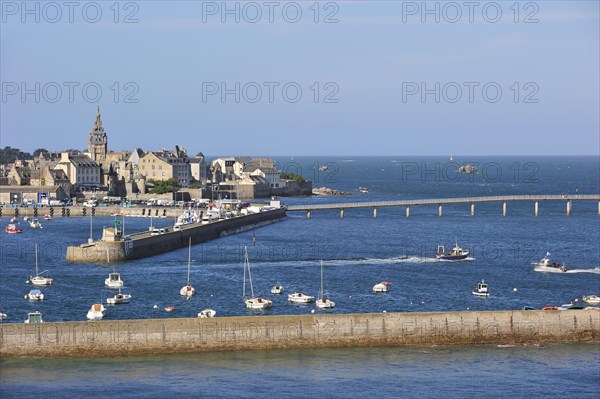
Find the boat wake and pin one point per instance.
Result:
(595, 270)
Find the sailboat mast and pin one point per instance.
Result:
(189, 259)
(249, 274)
(36, 261)
(321, 279)
(244, 286)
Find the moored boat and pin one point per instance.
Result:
(277, 289)
(207, 313)
(323, 302)
(96, 312)
(35, 296)
(114, 280)
(592, 299)
(298, 297)
(456, 253)
(363, 190)
(13, 229)
(35, 223)
(252, 302)
(544, 265)
(481, 290)
(3, 316)
(119, 299)
(38, 279)
(34, 317)
(47, 218)
(187, 291)
(383, 286)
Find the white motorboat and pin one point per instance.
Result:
(114, 281)
(481, 290)
(35, 223)
(187, 217)
(38, 279)
(383, 286)
(34, 317)
(35, 295)
(298, 297)
(187, 291)
(14, 220)
(96, 312)
(119, 299)
(277, 289)
(592, 299)
(324, 302)
(252, 302)
(206, 313)
(544, 265)
(363, 190)
(3, 316)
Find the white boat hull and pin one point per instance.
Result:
(35, 297)
(591, 299)
(97, 312)
(39, 280)
(546, 269)
(258, 303)
(113, 284)
(207, 313)
(300, 298)
(187, 291)
(381, 288)
(325, 304)
(119, 299)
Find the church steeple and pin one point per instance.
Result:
(97, 140)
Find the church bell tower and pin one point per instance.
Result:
(97, 141)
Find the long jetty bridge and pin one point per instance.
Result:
(504, 199)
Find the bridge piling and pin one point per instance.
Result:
(308, 215)
(374, 213)
(568, 207)
(504, 209)
(472, 209)
(408, 210)
(341, 213)
(440, 210)
(535, 209)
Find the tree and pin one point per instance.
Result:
(39, 151)
(291, 176)
(9, 155)
(164, 186)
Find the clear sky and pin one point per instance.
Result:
(410, 78)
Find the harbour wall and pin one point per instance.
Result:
(152, 336)
(68, 211)
(140, 245)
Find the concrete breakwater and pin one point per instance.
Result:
(143, 244)
(123, 337)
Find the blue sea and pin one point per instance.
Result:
(357, 252)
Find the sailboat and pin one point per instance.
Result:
(322, 302)
(188, 291)
(38, 279)
(252, 302)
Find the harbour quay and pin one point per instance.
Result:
(185, 335)
(116, 248)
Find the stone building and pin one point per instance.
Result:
(164, 165)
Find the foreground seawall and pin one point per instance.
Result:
(115, 338)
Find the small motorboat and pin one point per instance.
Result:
(592, 299)
(34, 317)
(114, 281)
(206, 313)
(363, 190)
(26, 219)
(119, 299)
(298, 297)
(47, 218)
(35, 295)
(544, 265)
(481, 290)
(13, 220)
(571, 306)
(456, 253)
(383, 286)
(13, 229)
(96, 312)
(170, 308)
(35, 223)
(277, 289)
(3, 316)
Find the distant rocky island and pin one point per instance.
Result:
(328, 191)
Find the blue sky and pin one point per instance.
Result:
(375, 61)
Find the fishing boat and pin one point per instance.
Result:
(188, 291)
(206, 313)
(187, 217)
(252, 302)
(114, 280)
(277, 289)
(96, 312)
(592, 299)
(481, 290)
(35, 295)
(34, 317)
(544, 265)
(47, 217)
(323, 302)
(13, 229)
(35, 223)
(456, 253)
(298, 297)
(383, 286)
(119, 299)
(38, 279)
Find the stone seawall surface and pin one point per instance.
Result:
(123, 337)
(138, 246)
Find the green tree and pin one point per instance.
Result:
(291, 176)
(164, 186)
(9, 154)
(39, 151)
